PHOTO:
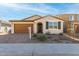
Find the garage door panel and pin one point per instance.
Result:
(22, 28)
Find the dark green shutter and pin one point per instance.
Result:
(46, 25)
(59, 25)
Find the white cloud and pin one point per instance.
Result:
(27, 9)
(12, 6)
(40, 8)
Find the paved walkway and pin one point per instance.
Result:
(39, 49)
(3, 33)
(72, 37)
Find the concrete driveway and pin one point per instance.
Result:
(14, 38)
(39, 49)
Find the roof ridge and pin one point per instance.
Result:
(31, 16)
(57, 17)
(24, 19)
(38, 18)
(51, 16)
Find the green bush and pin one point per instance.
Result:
(42, 37)
(60, 33)
(34, 35)
(5, 29)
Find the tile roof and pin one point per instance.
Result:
(31, 19)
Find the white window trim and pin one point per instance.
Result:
(53, 26)
(71, 18)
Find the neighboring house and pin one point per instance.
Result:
(71, 22)
(38, 24)
(4, 26)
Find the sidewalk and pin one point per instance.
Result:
(39, 49)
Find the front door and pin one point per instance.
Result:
(39, 28)
(77, 28)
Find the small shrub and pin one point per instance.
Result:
(42, 37)
(34, 35)
(5, 29)
(60, 33)
(53, 34)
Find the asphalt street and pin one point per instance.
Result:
(39, 49)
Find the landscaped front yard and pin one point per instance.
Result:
(58, 38)
(24, 38)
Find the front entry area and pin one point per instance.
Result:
(77, 28)
(39, 28)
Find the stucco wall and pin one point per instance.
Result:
(49, 19)
(65, 17)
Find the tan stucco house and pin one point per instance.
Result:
(38, 24)
(71, 22)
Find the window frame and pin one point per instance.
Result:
(59, 25)
(71, 18)
(78, 18)
(51, 25)
(55, 25)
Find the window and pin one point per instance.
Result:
(71, 18)
(78, 18)
(71, 25)
(59, 25)
(51, 25)
(55, 25)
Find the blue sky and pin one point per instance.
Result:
(10, 11)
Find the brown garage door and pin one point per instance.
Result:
(22, 28)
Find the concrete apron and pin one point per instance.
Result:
(39, 49)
